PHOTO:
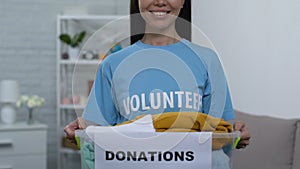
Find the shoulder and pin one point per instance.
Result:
(207, 55)
(114, 59)
(202, 50)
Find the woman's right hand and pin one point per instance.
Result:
(78, 124)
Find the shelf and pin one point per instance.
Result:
(90, 17)
(80, 62)
(71, 106)
(22, 126)
(84, 69)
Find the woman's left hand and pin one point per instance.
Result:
(245, 135)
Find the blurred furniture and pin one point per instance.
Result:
(9, 94)
(23, 146)
(74, 76)
(275, 143)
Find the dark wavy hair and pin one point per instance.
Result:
(137, 23)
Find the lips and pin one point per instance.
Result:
(160, 13)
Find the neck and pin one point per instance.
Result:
(160, 40)
(160, 37)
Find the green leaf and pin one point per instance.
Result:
(65, 38)
(74, 42)
(77, 39)
(81, 36)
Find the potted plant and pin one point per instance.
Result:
(73, 44)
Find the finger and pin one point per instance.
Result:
(238, 125)
(245, 135)
(244, 142)
(70, 135)
(81, 123)
(241, 146)
(70, 132)
(71, 126)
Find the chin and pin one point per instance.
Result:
(161, 24)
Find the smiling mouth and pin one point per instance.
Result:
(160, 13)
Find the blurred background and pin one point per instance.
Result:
(257, 41)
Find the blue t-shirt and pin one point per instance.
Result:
(146, 79)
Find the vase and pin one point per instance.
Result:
(73, 53)
(30, 116)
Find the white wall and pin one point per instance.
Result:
(258, 42)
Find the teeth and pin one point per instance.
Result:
(159, 13)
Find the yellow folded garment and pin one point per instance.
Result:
(191, 122)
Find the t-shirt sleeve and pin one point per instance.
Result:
(227, 114)
(216, 93)
(100, 107)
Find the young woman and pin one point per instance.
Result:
(160, 72)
